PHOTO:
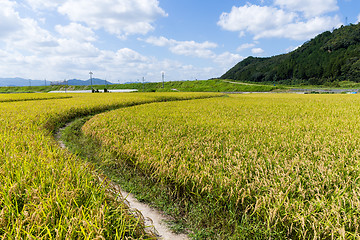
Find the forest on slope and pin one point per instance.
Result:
(327, 59)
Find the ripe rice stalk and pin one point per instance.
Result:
(290, 161)
(47, 192)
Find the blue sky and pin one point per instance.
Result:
(125, 40)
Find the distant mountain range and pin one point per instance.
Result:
(19, 82)
(95, 81)
(12, 82)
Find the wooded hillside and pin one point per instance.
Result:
(328, 58)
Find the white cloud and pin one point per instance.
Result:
(257, 50)
(358, 19)
(22, 33)
(74, 48)
(254, 19)
(30, 51)
(201, 50)
(44, 4)
(192, 48)
(302, 30)
(267, 22)
(227, 60)
(70, 51)
(42, 55)
(310, 8)
(159, 41)
(10, 21)
(187, 48)
(128, 55)
(119, 17)
(76, 31)
(245, 46)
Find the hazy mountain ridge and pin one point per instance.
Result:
(19, 82)
(10, 82)
(328, 58)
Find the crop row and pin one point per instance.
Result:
(46, 192)
(280, 165)
(31, 97)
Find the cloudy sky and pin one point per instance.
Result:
(125, 40)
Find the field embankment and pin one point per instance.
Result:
(212, 85)
(46, 192)
(247, 166)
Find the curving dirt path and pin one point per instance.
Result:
(153, 218)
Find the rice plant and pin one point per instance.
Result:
(281, 165)
(47, 192)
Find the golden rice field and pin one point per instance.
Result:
(30, 97)
(47, 192)
(279, 165)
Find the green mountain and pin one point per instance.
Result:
(328, 58)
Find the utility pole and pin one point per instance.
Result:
(91, 81)
(143, 84)
(163, 77)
